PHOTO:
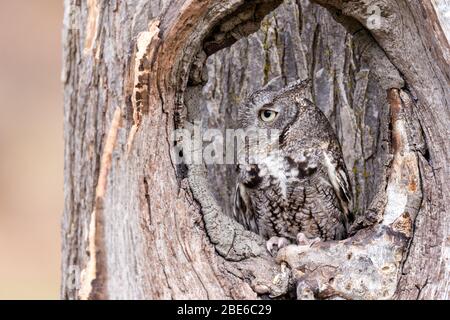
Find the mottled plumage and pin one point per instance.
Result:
(297, 183)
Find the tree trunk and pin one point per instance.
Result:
(139, 225)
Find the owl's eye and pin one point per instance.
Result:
(268, 115)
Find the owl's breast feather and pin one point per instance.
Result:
(284, 171)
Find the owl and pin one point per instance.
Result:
(292, 184)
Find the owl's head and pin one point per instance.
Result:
(274, 110)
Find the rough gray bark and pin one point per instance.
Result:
(137, 226)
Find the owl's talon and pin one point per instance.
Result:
(276, 243)
(303, 240)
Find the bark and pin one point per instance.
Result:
(138, 226)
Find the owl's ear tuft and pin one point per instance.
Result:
(298, 90)
(274, 84)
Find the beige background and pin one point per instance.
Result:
(31, 148)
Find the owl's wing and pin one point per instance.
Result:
(243, 209)
(338, 178)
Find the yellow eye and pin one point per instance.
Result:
(268, 115)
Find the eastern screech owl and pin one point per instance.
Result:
(297, 186)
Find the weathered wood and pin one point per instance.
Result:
(137, 226)
(417, 46)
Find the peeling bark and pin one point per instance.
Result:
(138, 226)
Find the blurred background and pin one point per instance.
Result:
(31, 148)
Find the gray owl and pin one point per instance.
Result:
(295, 186)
